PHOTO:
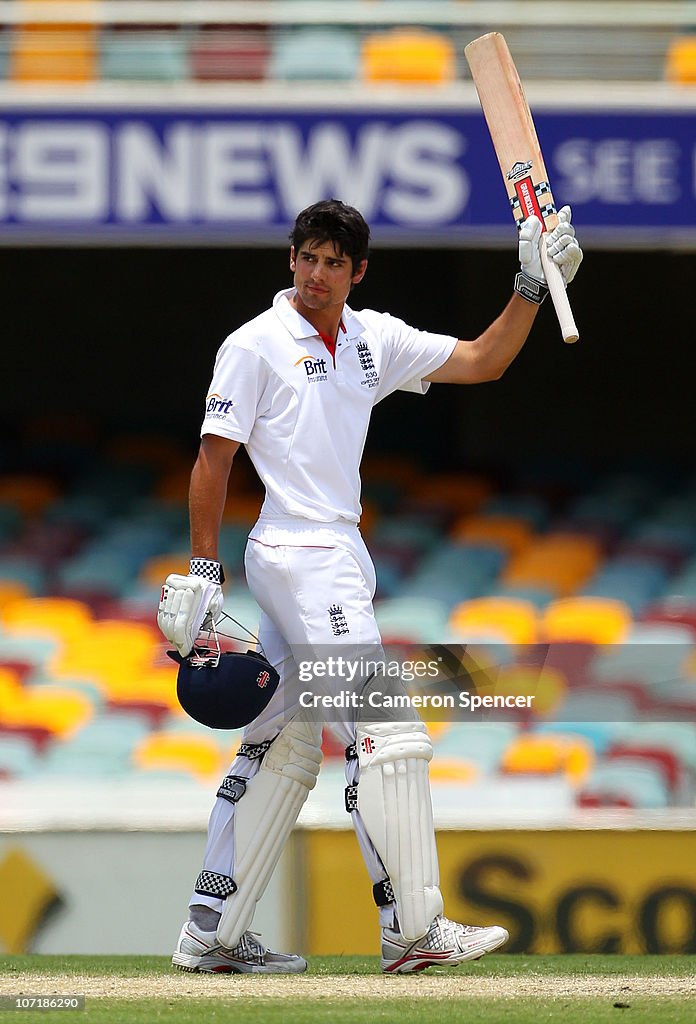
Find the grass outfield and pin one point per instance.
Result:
(350, 990)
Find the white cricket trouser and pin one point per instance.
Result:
(300, 573)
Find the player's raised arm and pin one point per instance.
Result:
(488, 356)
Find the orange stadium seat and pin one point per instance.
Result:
(11, 591)
(549, 754)
(457, 771)
(192, 753)
(513, 620)
(242, 508)
(457, 493)
(508, 532)
(10, 686)
(409, 55)
(680, 62)
(154, 686)
(547, 685)
(162, 453)
(28, 493)
(62, 617)
(56, 709)
(108, 652)
(396, 469)
(156, 569)
(594, 620)
(561, 562)
(54, 51)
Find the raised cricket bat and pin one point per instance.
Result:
(516, 145)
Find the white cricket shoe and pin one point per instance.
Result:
(197, 950)
(446, 942)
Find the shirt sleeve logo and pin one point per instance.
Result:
(217, 407)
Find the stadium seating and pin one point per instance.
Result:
(116, 47)
(408, 55)
(680, 61)
(586, 605)
(192, 754)
(308, 54)
(236, 54)
(585, 619)
(544, 754)
(143, 56)
(56, 52)
(511, 620)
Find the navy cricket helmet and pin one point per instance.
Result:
(226, 692)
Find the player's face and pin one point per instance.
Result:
(323, 276)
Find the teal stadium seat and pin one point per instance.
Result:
(406, 531)
(240, 605)
(232, 544)
(308, 54)
(679, 737)
(9, 521)
(34, 649)
(455, 572)
(596, 705)
(538, 596)
(528, 507)
(108, 739)
(652, 653)
(24, 570)
(481, 742)
(18, 756)
(143, 56)
(636, 582)
(600, 735)
(106, 572)
(421, 620)
(628, 781)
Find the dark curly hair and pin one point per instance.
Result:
(330, 220)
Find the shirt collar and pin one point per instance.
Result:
(301, 328)
(288, 315)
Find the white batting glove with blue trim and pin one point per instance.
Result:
(561, 244)
(190, 603)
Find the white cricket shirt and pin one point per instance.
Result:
(303, 420)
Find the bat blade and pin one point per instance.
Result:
(516, 145)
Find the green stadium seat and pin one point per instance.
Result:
(308, 54)
(143, 56)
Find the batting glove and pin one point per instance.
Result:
(562, 247)
(190, 603)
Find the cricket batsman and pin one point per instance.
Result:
(296, 386)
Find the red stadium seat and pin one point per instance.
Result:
(224, 54)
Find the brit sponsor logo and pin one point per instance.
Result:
(218, 407)
(339, 623)
(315, 369)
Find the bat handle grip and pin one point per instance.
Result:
(559, 296)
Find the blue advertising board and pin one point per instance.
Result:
(420, 176)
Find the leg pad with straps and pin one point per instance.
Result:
(264, 817)
(395, 806)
